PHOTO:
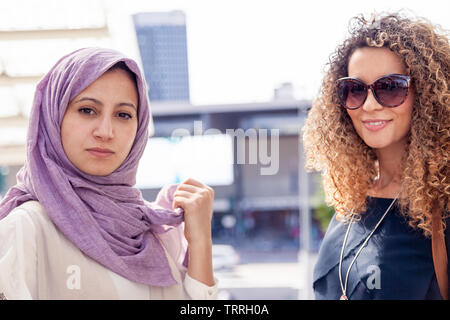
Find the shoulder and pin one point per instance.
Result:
(26, 221)
(20, 216)
(25, 209)
(18, 251)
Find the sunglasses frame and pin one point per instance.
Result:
(371, 87)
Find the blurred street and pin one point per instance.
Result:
(264, 275)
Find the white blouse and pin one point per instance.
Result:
(38, 262)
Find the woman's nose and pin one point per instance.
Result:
(371, 104)
(104, 129)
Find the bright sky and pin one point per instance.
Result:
(240, 50)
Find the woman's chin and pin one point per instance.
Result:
(95, 171)
(376, 145)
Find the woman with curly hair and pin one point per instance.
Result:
(379, 133)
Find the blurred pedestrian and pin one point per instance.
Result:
(379, 132)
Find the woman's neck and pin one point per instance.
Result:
(388, 184)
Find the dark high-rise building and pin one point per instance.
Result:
(162, 43)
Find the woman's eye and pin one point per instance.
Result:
(125, 116)
(87, 111)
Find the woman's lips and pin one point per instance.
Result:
(375, 125)
(100, 153)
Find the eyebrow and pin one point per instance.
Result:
(121, 104)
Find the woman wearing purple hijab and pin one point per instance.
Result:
(74, 227)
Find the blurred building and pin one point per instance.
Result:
(251, 208)
(30, 43)
(162, 43)
(261, 208)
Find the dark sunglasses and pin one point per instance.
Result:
(390, 91)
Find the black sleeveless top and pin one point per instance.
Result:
(396, 263)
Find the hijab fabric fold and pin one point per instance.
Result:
(104, 216)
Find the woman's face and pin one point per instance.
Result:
(380, 127)
(100, 124)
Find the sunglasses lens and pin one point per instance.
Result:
(351, 93)
(391, 91)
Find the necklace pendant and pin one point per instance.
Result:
(343, 297)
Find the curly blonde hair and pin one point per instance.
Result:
(349, 167)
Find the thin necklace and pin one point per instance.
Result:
(344, 287)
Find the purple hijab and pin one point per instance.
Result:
(104, 216)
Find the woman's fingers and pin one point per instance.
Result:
(179, 202)
(191, 188)
(184, 194)
(195, 183)
(181, 198)
(188, 188)
(198, 198)
(197, 201)
(195, 189)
